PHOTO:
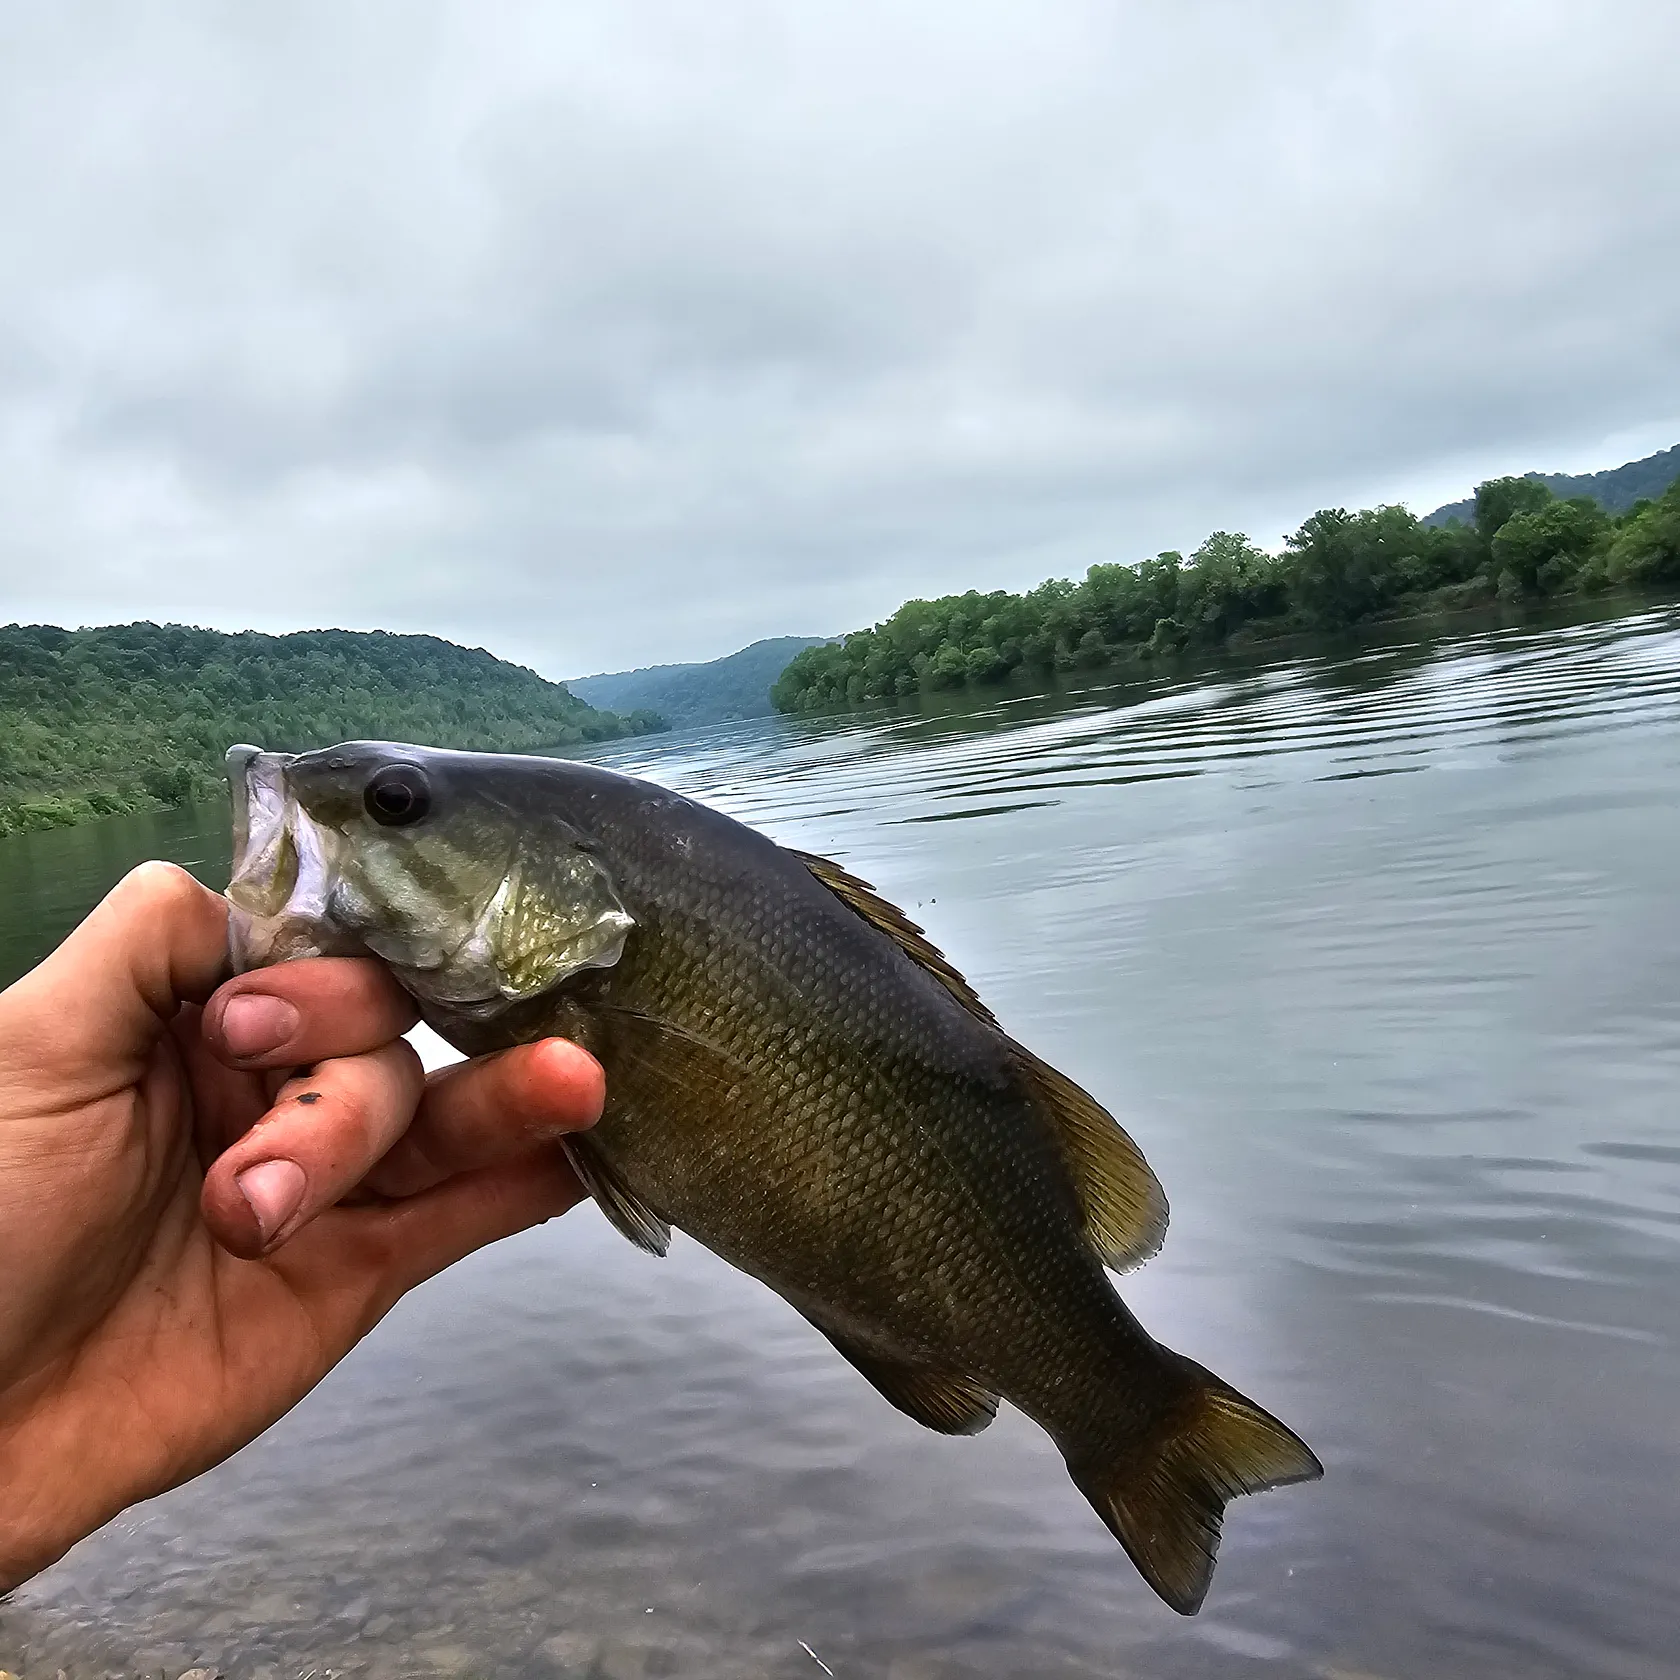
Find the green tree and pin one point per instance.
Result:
(1500, 499)
(1345, 566)
(129, 716)
(1646, 550)
(1339, 569)
(1543, 548)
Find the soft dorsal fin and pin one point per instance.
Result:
(1125, 1206)
(863, 898)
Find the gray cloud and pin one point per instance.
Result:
(608, 334)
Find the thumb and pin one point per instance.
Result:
(90, 1015)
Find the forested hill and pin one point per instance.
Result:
(136, 715)
(1341, 568)
(736, 686)
(1615, 489)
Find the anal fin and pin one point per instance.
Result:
(941, 1400)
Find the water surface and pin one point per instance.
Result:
(1377, 955)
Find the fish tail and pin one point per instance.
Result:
(1164, 1501)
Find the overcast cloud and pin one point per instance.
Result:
(602, 334)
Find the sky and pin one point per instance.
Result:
(603, 334)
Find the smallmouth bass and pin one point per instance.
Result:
(795, 1077)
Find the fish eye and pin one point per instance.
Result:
(397, 795)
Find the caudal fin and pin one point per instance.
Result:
(1165, 1503)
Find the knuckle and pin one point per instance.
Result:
(163, 886)
(400, 1064)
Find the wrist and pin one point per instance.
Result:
(62, 1476)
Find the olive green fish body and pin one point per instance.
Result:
(823, 1113)
(800, 1082)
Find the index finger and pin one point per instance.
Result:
(308, 1010)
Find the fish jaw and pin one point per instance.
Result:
(284, 869)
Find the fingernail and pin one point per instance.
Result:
(253, 1024)
(275, 1190)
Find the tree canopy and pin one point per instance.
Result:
(129, 716)
(1339, 569)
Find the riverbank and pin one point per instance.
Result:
(136, 717)
(1379, 642)
(1340, 571)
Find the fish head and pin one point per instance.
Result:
(453, 869)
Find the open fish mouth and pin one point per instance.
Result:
(283, 868)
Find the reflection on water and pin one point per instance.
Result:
(1378, 956)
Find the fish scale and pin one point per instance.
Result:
(797, 1080)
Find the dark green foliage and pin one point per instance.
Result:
(131, 716)
(1646, 550)
(737, 686)
(1339, 569)
(1343, 567)
(1503, 498)
(1616, 490)
(1545, 547)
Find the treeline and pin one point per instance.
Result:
(1615, 489)
(1340, 569)
(135, 716)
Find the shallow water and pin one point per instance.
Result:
(1378, 955)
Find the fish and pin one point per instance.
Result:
(795, 1077)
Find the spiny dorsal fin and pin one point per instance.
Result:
(1125, 1206)
(863, 898)
(945, 1401)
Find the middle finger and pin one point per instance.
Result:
(321, 1136)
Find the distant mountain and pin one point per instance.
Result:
(736, 686)
(1615, 489)
(133, 716)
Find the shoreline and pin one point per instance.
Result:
(1244, 648)
(1135, 664)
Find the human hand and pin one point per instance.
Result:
(191, 1233)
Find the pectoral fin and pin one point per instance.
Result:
(667, 1062)
(667, 1068)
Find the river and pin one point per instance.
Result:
(1377, 953)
